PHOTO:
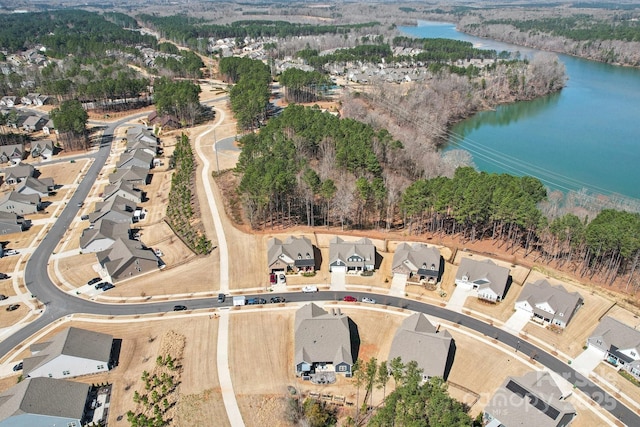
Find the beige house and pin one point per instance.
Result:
(126, 259)
(294, 254)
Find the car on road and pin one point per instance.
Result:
(108, 286)
(276, 300)
(17, 367)
(12, 307)
(11, 252)
(349, 298)
(94, 281)
(368, 300)
(80, 204)
(309, 289)
(84, 217)
(179, 307)
(255, 301)
(221, 297)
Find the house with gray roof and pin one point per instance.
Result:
(13, 153)
(139, 158)
(549, 304)
(618, 343)
(12, 223)
(138, 133)
(126, 259)
(417, 261)
(30, 185)
(534, 399)
(345, 256)
(322, 342)
(135, 175)
(116, 209)
(488, 278)
(44, 402)
(17, 173)
(418, 340)
(9, 101)
(21, 204)
(33, 123)
(294, 254)
(123, 189)
(70, 353)
(48, 127)
(103, 235)
(42, 148)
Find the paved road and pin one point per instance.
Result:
(59, 304)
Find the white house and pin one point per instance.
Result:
(548, 304)
(70, 353)
(618, 344)
(488, 278)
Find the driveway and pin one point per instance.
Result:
(338, 281)
(459, 296)
(587, 361)
(516, 322)
(398, 284)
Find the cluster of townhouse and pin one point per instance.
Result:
(24, 196)
(45, 396)
(109, 234)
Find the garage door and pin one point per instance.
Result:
(339, 269)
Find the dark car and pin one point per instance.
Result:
(108, 286)
(94, 281)
(221, 297)
(349, 298)
(101, 285)
(13, 307)
(254, 301)
(3, 297)
(276, 300)
(179, 307)
(3, 276)
(84, 217)
(17, 367)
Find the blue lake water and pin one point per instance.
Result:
(586, 136)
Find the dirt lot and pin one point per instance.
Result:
(8, 318)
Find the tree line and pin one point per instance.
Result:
(179, 98)
(304, 86)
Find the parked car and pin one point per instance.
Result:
(11, 252)
(17, 367)
(309, 289)
(179, 307)
(108, 286)
(255, 301)
(84, 217)
(282, 278)
(276, 300)
(101, 285)
(13, 307)
(349, 298)
(159, 252)
(80, 204)
(368, 300)
(221, 297)
(4, 276)
(94, 281)
(3, 297)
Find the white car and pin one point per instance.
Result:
(310, 288)
(368, 300)
(11, 252)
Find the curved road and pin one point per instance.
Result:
(59, 304)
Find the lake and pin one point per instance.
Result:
(587, 136)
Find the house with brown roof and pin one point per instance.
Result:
(417, 261)
(103, 235)
(346, 256)
(486, 277)
(619, 344)
(45, 402)
(72, 352)
(534, 399)
(21, 204)
(294, 254)
(126, 259)
(323, 344)
(418, 340)
(549, 304)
